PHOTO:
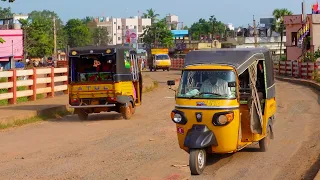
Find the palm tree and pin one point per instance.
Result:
(279, 14)
(151, 13)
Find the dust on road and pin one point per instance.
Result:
(146, 147)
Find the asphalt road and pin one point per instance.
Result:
(145, 147)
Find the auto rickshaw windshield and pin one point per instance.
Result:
(207, 84)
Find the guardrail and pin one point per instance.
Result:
(36, 77)
(304, 70)
(296, 69)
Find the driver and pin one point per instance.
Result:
(215, 85)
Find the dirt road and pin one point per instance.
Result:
(107, 147)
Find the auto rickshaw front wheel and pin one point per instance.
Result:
(264, 143)
(127, 111)
(197, 161)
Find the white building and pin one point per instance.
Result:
(13, 22)
(117, 27)
(272, 43)
(173, 21)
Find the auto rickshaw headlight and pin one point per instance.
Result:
(178, 117)
(222, 118)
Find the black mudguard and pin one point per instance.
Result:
(270, 123)
(200, 136)
(124, 99)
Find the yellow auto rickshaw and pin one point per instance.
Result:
(104, 79)
(225, 101)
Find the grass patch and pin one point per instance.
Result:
(34, 119)
(150, 88)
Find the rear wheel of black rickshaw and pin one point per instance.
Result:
(127, 111)
(197, 161)
(83, 115)
(264, 143)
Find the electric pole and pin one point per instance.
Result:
(255, 33)
(54, 38)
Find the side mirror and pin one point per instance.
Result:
(171, 83)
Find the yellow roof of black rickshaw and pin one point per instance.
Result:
(239, 58)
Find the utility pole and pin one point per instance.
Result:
(54, 38)
(255, 33)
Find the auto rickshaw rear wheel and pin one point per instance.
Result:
(264, 143)
(126, 111)
(83, 115)
(197, 161)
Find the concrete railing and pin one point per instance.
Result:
(305, 70)
(45, 78)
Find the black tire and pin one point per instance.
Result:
(163, 69)
(264, 143)
(83, 115)
(168, 69)
(127, 111)
(197, 161)
(150, 69)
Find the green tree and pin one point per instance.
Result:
(87, 19)
(10, 1)
(158, 33)
(151, 13)
(38, 40)
(279, 14)
(101, 36)
(207, 27)
(78, 33)
(5, 13)
(38, 29)
(185, 28)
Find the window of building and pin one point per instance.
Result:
(273, 52)
(127, 27)
(135, 27)
(294, 40)
(114, 22)
(119, 38)
(119, 27)
(114, 34)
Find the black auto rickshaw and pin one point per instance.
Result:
(225, 102)
(104, 79)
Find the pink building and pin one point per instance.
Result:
(12, 48)
(302, 37)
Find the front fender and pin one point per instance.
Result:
(124, 99)
(200, 136)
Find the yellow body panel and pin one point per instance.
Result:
(163, 63)
(227, 136)
(208, 67)
(101, 90)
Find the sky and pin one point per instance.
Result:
(237, 12)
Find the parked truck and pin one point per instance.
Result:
(159, 59)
